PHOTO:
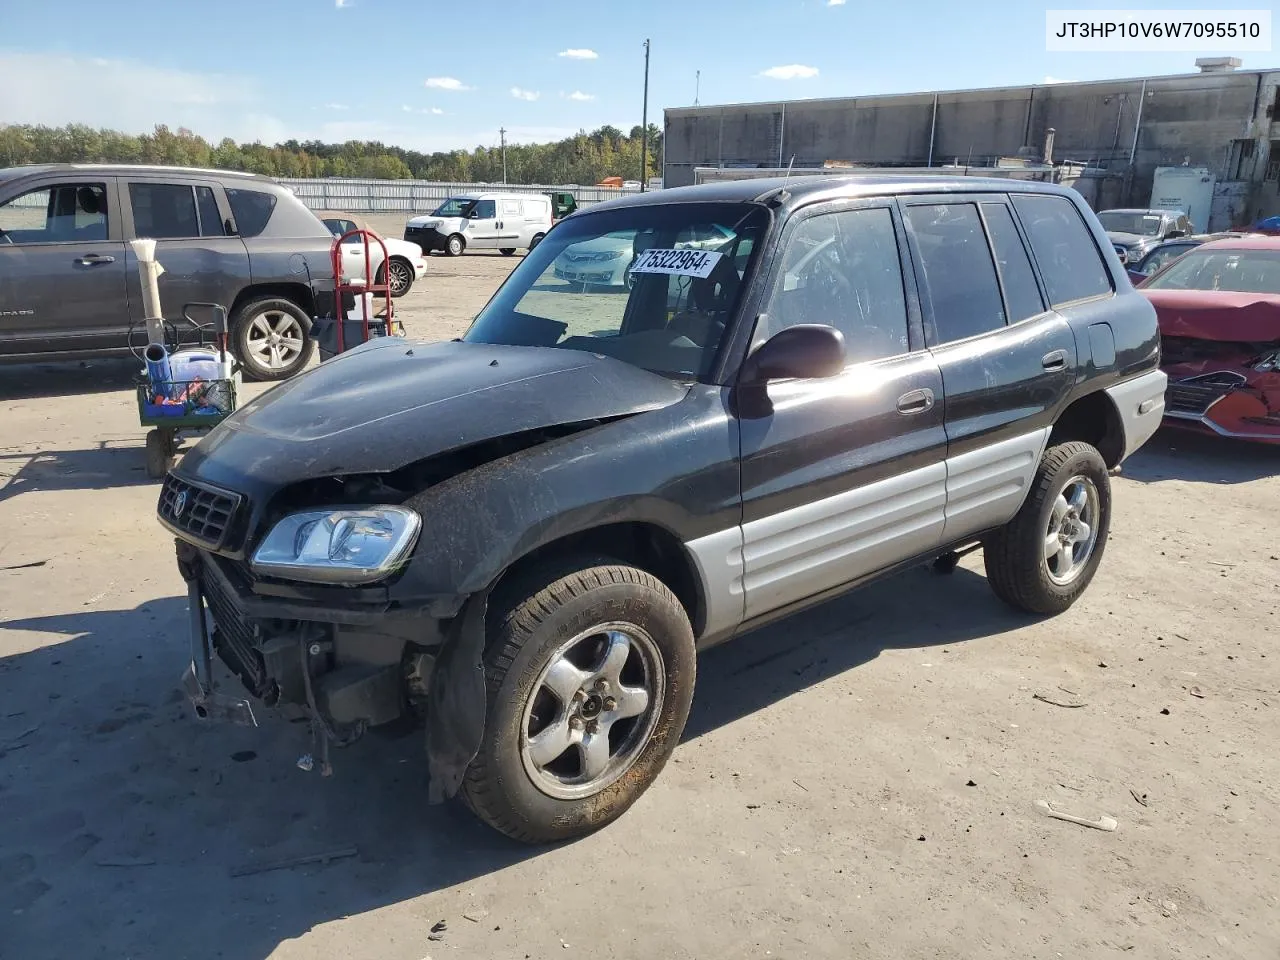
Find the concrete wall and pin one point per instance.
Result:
(1190, 118)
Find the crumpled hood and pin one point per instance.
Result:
(1217, 315)
(392, 402)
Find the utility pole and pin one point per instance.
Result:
(697, 85)
(502, 134)
(644, 126)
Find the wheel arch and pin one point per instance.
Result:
(1093, 419)
(296, 293)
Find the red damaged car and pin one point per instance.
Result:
(1219, 310)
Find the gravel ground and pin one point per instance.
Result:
(860, 781)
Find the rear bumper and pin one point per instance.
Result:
(1141, 403)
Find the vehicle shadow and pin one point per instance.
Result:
(1174, 454)
(47, 380)
(127, 817)
(111, 463)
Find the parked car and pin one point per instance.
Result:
(563, 203)
(483, 221)
(522, 537)
(606, 261)
(69, 286)
(1219, 310)
(1162, 254)
(407, 259)
(1133, 232)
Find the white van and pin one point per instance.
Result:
(483, 221)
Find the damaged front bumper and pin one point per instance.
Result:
(345, 669)
(1227, 399)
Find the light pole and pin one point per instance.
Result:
(644, 125)
(502, 135)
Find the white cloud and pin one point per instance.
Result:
(529, 95)
(579, 53)
(437, 111)
(336, 106)
(1056, 80)
(446, 83)
(792, 71)
(341, 3)
(406, 108)
(836, 3)
(581, 97)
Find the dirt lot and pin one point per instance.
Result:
(860, 782)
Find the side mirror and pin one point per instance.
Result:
(805, 351)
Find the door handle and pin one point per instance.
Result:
(90, 259)
(915, 401)
(1054, 360)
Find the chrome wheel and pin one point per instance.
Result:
(275, 339)
(592, 711)
(401, 277)
(1073, 530)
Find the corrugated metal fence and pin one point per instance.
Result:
(423, 196)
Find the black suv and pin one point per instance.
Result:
(522, 537)
(69, 284)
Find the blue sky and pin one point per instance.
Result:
(438, 75)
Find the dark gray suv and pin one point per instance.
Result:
(69, 284)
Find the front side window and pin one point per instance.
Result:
(631, 284)
(164, 211)
(454, 207)
(959, 275)
(1069, 260)
(485, 210)
(1237, 271)
(65, 213)
(843, 270)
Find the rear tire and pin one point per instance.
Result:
(507, 251)
(401, 276)
(537, 239)
(455, 245)
(1045, 557)
(252, 326)
(618, 645)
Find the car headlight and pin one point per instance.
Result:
(352, 545)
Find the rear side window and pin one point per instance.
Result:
(252, 209)
(210, 218)
(1069, 260)
(959, 275)
(511, 208)
(164, 211)
(1021, 294)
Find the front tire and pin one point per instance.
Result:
(507, 251)
(537, 239)
(271, 337)
(590, 679)
(1045, 557)
(401, 276)
(455, 245)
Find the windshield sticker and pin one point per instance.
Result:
(683, 263)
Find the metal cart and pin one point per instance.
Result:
(179, 407)
(338, 333)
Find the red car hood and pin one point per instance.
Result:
(1217, 315)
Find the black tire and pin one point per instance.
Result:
(245, 337)
(1015, 560)
(401, 276)
(537, 239)
(537, 619)
(455, 245)
(507, 251)
(161, 448)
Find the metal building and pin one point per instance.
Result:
(1119, 132)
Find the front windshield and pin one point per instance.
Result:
(1143, 224)
(1238, 271)
(654, 286)
(453, 207)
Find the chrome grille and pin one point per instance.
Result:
(196, 513)
(1193, 398)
